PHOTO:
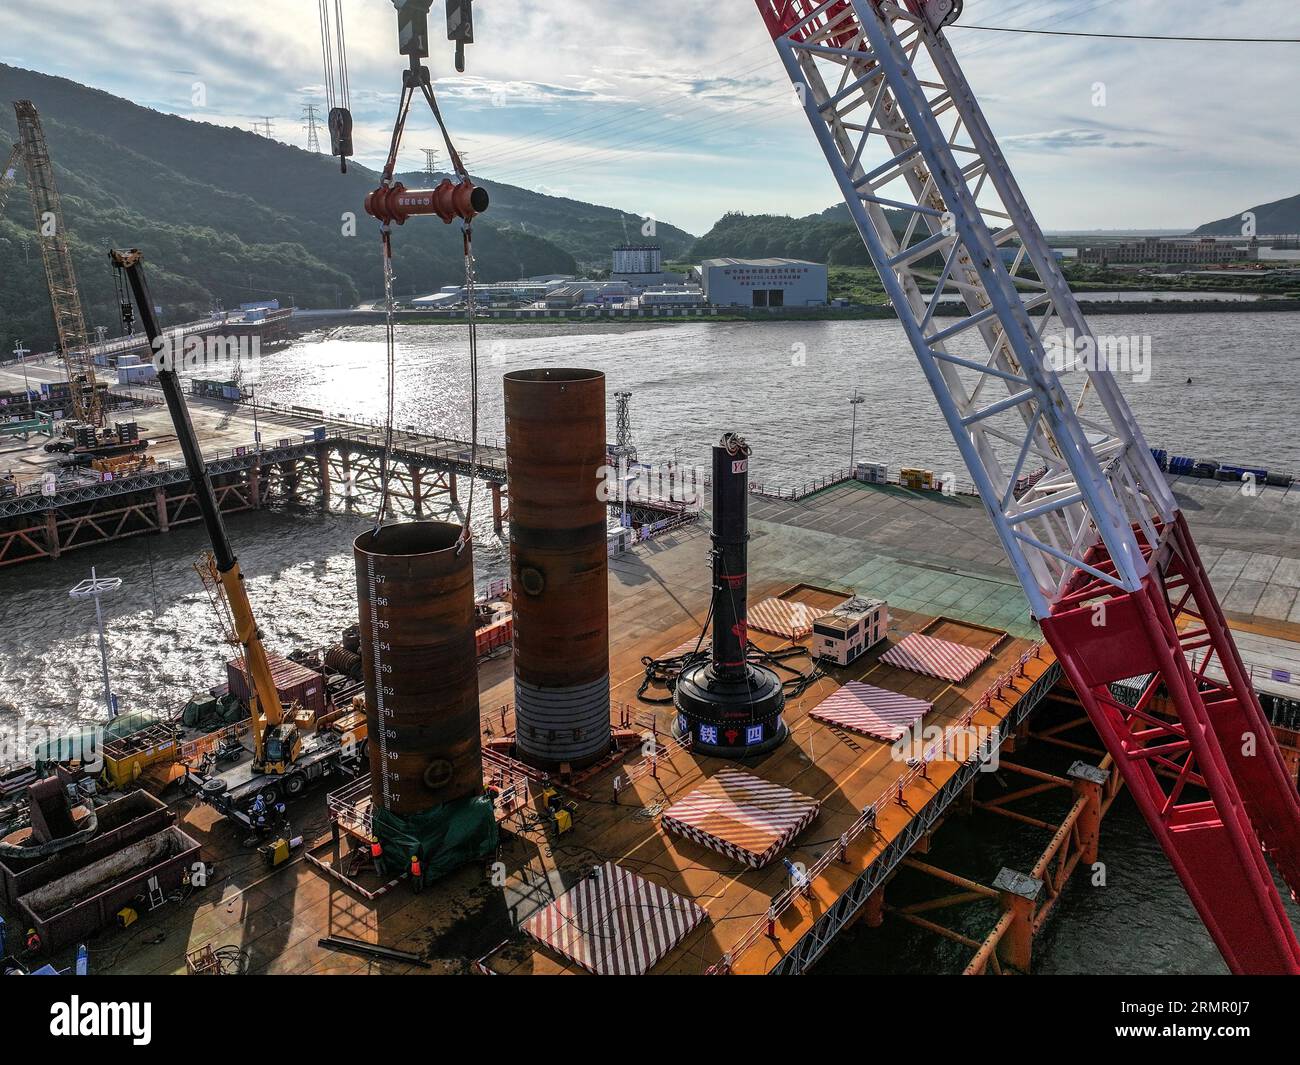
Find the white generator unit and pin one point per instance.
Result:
(872, 473)
(848, 630)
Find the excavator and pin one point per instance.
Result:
(283, 761)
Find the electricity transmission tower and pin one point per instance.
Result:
(430, 161)
(313, 138)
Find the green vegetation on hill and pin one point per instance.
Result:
(828, 237)
(586, 231)
(225, 215)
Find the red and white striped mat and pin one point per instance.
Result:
(686, 646)
(780, 617)
(935, 658)
(872, 711)
(615, 923)
(742, 816)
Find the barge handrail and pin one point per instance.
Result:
(939, 750)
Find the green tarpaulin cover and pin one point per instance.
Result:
(208, 715)
(444, 838)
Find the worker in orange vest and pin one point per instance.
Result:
(417, 878)
(376, 851)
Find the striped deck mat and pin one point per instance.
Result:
(873, 711)
(742, 816)
(615, 923)
(780, 617)
(935, 658)
(686, 646)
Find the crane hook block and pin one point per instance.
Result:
(396, 203)
(340, 127)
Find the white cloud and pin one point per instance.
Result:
(683, 108)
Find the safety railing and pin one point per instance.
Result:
(630, 537)
(1254, 671)
(946, 484)
(195, 750)
(942, 749)
(351, 807)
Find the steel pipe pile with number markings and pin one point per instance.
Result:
(415, 590)
(555, 451)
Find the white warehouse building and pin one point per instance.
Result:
(763, 283)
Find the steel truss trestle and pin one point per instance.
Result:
(1097, 542)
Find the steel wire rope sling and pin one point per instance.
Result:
(393, 203)
(338, 91)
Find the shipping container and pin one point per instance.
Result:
(294, 681)
(498, 634)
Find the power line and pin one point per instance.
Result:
(1131, 36)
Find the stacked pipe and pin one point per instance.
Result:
(415, 589)
(555, 453)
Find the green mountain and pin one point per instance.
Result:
(827, 237)
(225, 215)
(585, 230)
(1278, 217)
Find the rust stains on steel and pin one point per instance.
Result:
(416, 597)
(555, 451)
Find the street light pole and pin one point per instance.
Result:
(856, 402)
(94, 589)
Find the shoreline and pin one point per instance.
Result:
(326, 318)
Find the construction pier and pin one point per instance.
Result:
(877, 814)
(304, 458)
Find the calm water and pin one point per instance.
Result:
(784, 385)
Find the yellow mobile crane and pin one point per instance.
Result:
(283, 762)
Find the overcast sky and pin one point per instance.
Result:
(679, 108)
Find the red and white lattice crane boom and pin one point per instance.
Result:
(1098, 542)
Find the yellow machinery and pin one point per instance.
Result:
(277, 743)
(126, 759)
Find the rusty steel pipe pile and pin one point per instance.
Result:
(416, 598)
(555, 455)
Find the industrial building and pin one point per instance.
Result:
(638, 259)
(1159, 250)
(524, 290)
(763, 283)
(676, 296)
